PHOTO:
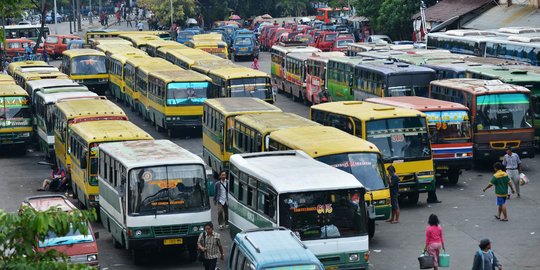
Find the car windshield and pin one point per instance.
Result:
(72, 237)
(296, 267)
(16, 111)
(502, 111)
(186, 93)
(403, 138)
(250, 87)
(167, 190)
(185, 35)
(330, 37)
(449, 126)
(368, 168)
(51, 39)
(343, 43)
(242, 41)
(324, 214)
(88, 65)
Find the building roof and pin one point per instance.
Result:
(289, 171)
(447, 9)
(234, 105)
(149, 153)
(109, 131)
(419, 103)
(503, 16)
(266, 122)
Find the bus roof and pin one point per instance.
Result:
(157, 43)
(6, 78)
(79, 52)
(390, 67)
(109, 131)
(123, 57)
(51, 83)
(36, 68)
(294, 171)
(14, 65)
(42, 75)
(207, 42)
(507, 74)
(325, 56)
(287, 49)
(211, 36)
(143, 39)
(366, 110)
(319, 141)
(149, 153)
(271, 247)
(137, 60)
(74, 108)
(157, 64)
(351, 60)
(302, 56)
(269, 122)
(419, 103)
(236, 71)
(234, 105)
(180, 75)
(481, 87)
(50, 98)
(12, 90)
(110, 41)
(116, 48)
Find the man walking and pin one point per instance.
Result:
(221, 198)
(393, 181)
(501, 182)
(209, 244)
(512, 163)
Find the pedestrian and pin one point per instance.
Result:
(512, 164)
(132, 19)
(209, 244)
(501, 181)
(140, 26)
(484, 258)
(255, 64)
(28, 51)
(118, 18)
(276, 23)
(45, 55)
(106, 20)
(128, 21)
(393, 181)
(90, 17)
(102, 18)
(221, 199)
(432, 195)
(57, 182)
(434, 239)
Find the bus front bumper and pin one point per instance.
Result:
(186, 242)
(95, 85)
(184, 121)
(482, 153)
(343, 262)
(445, 164)
(10, 138)
(417, 186)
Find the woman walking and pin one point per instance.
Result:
(434, 239)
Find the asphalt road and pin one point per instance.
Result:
(466, 213)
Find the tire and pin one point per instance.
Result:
(413, 198)
(371, 228)
(453, 176)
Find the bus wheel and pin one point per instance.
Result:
(413, 198)
(371, 228)
(453, 176)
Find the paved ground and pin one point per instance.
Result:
(466, 213)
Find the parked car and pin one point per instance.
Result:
(185, 36)
(325, 39)
(79, 247)
(340, 44)
(244, 45)
(379, 38)
(16, 46)
(57, 44)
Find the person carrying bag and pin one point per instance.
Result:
(210, 248)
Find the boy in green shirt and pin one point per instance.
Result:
(501, 181)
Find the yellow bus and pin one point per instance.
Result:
(186, 58)
(152, 46)
(400, 134)
(6, 79)
(212, 46)
(204, 66)
(161, 52)
(117, 62)
(71, 111)
(176, 98)
(346, 152)
(26, 64)
(112, 33)
(108, 41)
(239, 81)
(110, 49)
(84, 139)
(87, 67)
(22, 78)
(141, 82)
(251, 131)
(15, 117)
(130, 77)
(218, 126)
(139, 40)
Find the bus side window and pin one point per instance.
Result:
(358, 128)
(242, 186)
(252, 193)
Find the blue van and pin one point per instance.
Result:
(185, 36)
(271, 249)
(244, 45)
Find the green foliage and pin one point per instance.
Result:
(20, 233)
(182, 9)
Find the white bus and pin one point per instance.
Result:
(321, 204)
(43, 106)
(152, 196)
(52, 86)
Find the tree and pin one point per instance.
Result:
(182, 9)
(20, 232)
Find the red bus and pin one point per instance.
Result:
(316, 75)
(501, 114)
(330, 15)
(450, 132)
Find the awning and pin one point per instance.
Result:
(447, 9)
(502, 16)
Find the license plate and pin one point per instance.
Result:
(174, 241)
(331, 268)
(243, 49)
(442, 167)
(7, 142)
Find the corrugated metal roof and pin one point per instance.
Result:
(501, 16)
(448, 9)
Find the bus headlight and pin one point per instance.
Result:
(25, 134)
(425, 173)
(91, 258)
(354, 257)
(103, 80)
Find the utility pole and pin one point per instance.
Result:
(172, 19)
(55, 22)
(73, 15)
(79, 23)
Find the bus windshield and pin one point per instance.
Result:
(409, 85)
(404, 138)
(72, 237)
(324, 214)
(186, 93)
(16, 110)
(366, 167)
(88, 65)
(250, 87)
(502, 111)
(449, 126)
(167, 190)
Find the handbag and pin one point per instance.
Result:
(523, 179)
(426, 261)
(200, 255)
(444, 259)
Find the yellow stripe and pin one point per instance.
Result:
(16, 129)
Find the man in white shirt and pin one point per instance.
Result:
(221, 199)
(140, 26)
(512, 163)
